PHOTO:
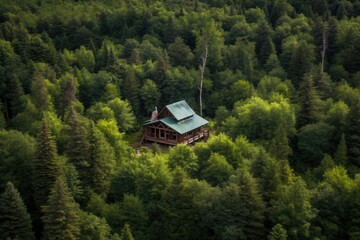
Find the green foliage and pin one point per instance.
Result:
(61, 214)
(292, 209)
(95, 70)
(45, 166)
(101, 161)
(150, 95)
(218, 170)
(314, 140)
(17, 152)
(258, 119)
(123, 114)
(93, 227)
(352, 134)
(309, 101)
(277, 233)
(126, 233)
(341, 152)
(15, 221)
(183, 156)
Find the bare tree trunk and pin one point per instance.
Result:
(202, 70)
(324, 46)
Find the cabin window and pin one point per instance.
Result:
(152, 132)
(172, 136)
(162, 133)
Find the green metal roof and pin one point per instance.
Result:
(180, 110)
(186, 125)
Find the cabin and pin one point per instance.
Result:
(176, 123)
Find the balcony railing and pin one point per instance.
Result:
(204, 133)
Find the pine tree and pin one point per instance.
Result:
(254, 208)
(101, 162)
(309, 101)
(13, 97)
(77, 145)
(131, 91)
(352, 134)
(300, 63)
(61, 214)
(279, 146)
(341, 152)
(15, 222)
(267, 49)
(126, 233)
(68, 92)
(277, 233)
(45, 166)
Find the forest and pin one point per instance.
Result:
(280, 87)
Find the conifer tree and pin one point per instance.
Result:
(266, 50)
(126, 233)
(15, 222)
(279, 146)
(254, 207)
(277, 233)
(77, 145)
(352, 134)
(68, 92)
(61, 214)
(300, 63)
(309, 101)
(101, 161)
(341, 152)
(45, 166)
(131, 91)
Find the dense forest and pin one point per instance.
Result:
(281, 89)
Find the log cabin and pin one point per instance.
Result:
(176, 123)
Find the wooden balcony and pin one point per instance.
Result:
(187, 139)
(203, 133)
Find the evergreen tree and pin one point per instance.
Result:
(68, 92)
(300, 63)
(277, 233)
(126, 233)
(267, 49)
(77, 145)
(309, 100)
(101, 161)
(341, 152)
(279, 145)
(61, 214)
(352, 134)
(13, 97)
(131, 90)
(254, 208)
(15, 222)
(45, 166)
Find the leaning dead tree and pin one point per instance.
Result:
(324, 46)
(202, 70)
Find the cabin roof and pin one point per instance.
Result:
(180, 110)
(186, 125)
(185, 119)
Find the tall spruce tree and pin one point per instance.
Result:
(101, 161)
(341, 152)
(45, 166)
(126, 233)
(352, 134)
(254, 208)
(277, 233)
(15, 222)
(77, 145)
(61, 214)
(309, 101)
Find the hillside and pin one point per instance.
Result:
(278, 80)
